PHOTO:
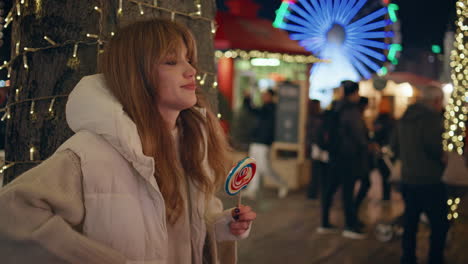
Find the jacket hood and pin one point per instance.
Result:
(416, 111)
(92, 107)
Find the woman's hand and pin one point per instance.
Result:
(243, 216)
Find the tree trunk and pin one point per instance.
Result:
(53, 71)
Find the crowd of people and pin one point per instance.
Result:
(344, 151)
(345, 147)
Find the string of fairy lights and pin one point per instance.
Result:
(457, 107)
(21, 53)
(247, 55)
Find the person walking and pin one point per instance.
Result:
(365, 166)
(418, 144)
(347, 149)
(262, 138)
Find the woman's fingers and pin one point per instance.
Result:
(243, 216)
(244, 213)
(238, 228)
(240, 225)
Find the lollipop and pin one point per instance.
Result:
(240, 176)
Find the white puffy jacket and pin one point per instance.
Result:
(117, 213)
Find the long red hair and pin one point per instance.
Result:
(128, 65)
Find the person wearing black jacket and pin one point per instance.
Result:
(351, 155)
(365, 165)
(347, 151)
(418, 144)
(314, 123)
(262, 138)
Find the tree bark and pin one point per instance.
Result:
(54, 71)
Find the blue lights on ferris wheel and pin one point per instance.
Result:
(329, 29)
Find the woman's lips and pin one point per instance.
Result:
(190, 86)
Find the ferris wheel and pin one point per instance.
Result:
(337, 31)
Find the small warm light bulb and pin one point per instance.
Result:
(97, 9)
(120, 9)
(75, 50)
(213, 27)
(7, 22)
(92, 36)
(5, 167)
(17, 94)
(31, 111)
(31, 153)
(50, 41)
(219, 115)
(25, 61)
(51, 106)
(4, 116)
(142, 12)
(202, 82)
(17, 48)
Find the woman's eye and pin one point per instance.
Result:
(171, 62)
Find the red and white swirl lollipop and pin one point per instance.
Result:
(240, 176)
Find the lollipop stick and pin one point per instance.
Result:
(239, 199)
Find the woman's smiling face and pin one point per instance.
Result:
(176, 81)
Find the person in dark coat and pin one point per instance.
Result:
(346, 158)
(314, 122)
(366, 161)
(262, 138)
(418, 144)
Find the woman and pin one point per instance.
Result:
(136, 183)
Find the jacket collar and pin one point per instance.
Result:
(92, 107)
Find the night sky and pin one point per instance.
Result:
(424, 22)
